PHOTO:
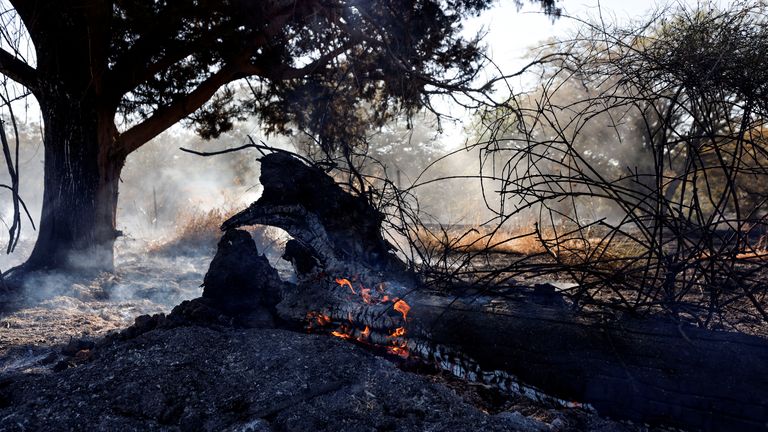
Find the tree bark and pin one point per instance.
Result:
(77, 223)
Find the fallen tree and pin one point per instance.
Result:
(530, 341)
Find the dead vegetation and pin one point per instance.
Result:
(197, 229)
(636, 171)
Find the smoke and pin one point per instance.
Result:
(163, 193)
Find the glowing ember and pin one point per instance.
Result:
(364, 334)
(318, 318)
(365, 293)
(402, 307)
(343, 332)
(378, 295)
(399, 350)
(347, 283)
(399, 332)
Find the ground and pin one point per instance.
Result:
(58, 372)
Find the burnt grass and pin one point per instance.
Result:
(502, 273)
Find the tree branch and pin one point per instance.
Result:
(18, 71)
(167, 116)
(285, 72)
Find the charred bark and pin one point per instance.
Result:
(78, 218)
(341, 231)
(650, 371)
(240, 280)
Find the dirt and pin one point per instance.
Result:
(59, 372)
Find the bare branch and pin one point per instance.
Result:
(18, 71)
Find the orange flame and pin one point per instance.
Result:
(399, 332)
(347, 283)
(318, 318)
(399, 350)
(342, 332)
(402, 307)
(364, 334)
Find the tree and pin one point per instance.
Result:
(112, 74)
(663, 124)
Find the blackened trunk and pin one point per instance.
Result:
(649, 371)
(77, 224)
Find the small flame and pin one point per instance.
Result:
(399, 350)
(397, 345)
(342, 332)
(364, 334)
(347, 283)
(399, 332)
(402, 307)
(318, 318)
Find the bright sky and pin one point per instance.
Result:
(510, 33)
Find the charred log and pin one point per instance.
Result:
(531, 342)
(649, 370)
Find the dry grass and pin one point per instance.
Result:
(194, 230)
(577, 249)
(199, 230)
(463, 239)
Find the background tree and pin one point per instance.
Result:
(111, 75)
(662, 124)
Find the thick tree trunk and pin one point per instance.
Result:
(77, 223)
(82, 163)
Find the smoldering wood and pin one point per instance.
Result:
(530, 341)
(648, 370)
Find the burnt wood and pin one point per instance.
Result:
(341, 230)
(650, 370)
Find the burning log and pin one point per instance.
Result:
(648, 370)
(531, 342)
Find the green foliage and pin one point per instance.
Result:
(383, 58)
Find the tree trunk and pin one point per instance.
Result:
(82, 163)
(77, 223)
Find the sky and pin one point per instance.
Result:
(511, 33)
